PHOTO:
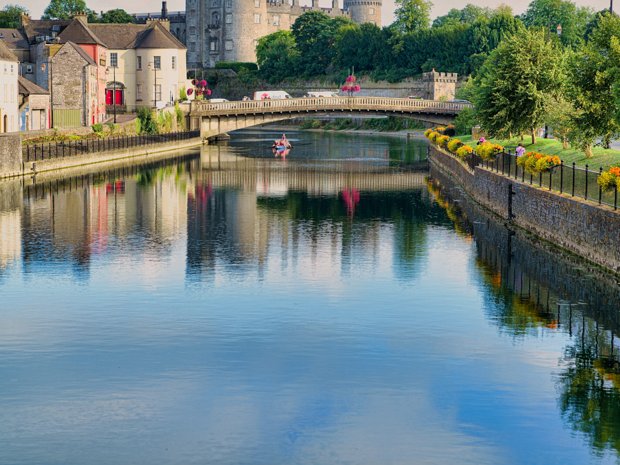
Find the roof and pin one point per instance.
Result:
(40, 27)
(118, 36)
(79, 33)
(6, 54)
(27, 87)
(14, 39)
(80, 52)
(157, 36)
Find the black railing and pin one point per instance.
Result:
(48, 150)
(571, 180)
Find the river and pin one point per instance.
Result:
(334, 307)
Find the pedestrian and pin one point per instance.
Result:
(482, 140)
(520, 150)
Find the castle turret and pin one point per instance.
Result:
(364, 11)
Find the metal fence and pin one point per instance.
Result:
(48, 150)
(565, 179)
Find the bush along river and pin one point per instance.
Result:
(334, 307)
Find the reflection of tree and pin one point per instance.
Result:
(589, 394)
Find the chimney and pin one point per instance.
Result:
(82, 17)
(164, 10)
(24, 19)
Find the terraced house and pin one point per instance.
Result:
(93, 70)
(8, 89)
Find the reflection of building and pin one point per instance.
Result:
(10, 237)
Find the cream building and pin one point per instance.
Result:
(8, 89)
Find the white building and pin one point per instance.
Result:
(8, 89)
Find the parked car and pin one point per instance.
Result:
(218, 100)
(320, 94)
(271, 95)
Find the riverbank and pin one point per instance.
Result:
(603, 158)
(579, 226)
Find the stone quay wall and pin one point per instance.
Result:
(581, 227)
(10, 155)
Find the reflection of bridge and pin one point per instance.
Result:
(219, 118)
(264, 179)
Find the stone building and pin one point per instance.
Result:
(439, 86)
(175, 18)
(227, 30)
(8, 89)
(34, 106)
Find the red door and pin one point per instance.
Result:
(119, 97)
(108, 97)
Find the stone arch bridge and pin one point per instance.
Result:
(214, 119)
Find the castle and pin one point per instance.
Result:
(228, 30)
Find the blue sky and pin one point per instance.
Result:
(440, 7)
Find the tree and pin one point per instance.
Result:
(593, 77)
(360, 46)
(553, 13)
(10, 16)
(412, 15)
(517, 82)
(64, 9)
(315, 36)
(468, 15)
(277, 56)
(117, 15)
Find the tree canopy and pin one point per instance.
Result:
(412, 15)
(64, 9)
(117, 15)
(10, 16)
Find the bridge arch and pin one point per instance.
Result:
(218, 118)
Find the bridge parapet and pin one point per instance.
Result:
(327, 104)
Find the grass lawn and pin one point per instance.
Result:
(602, 157)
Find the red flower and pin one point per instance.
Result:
(190, 91)
(203, 83)
(208, 91)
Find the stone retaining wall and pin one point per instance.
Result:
(582, 227)
(10, 155)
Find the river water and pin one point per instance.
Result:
(335, 307)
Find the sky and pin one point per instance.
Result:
(440, 7)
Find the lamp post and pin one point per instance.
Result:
(114, 92)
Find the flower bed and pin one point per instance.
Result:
(534, 162)
(610, 179)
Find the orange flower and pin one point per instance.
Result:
(615, 170)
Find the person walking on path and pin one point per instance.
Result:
(520, 150)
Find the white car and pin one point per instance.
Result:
(218, 100)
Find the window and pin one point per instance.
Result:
(256, 3)
(371, 11)
(192, 46)
(228, 4)
(29, 69)
(113, 60)
(215, 3)
(138, 62)
(139, 91)
(257, 18)
(229, 45)
(276, 20)
(157, 62)
(174, 62)
(215, 18)
(157, 92)
(228, 18)
(214, 45)
(192, 30)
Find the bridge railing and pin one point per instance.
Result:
(315, 104)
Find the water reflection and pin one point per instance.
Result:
(535, 290)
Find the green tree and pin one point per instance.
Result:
(315, 36)
(10, 16)
(277, 56)
(468, 15)
(553, 13)
(64, 9)
(593, 77)
(412, 15)
(360, 46)
(117, 15)
(517, 83)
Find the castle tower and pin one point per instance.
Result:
(364, 11)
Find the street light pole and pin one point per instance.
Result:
(114, 93)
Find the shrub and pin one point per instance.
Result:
(179, 116)
(464, 152)
(236, 66)
(454, 145)
(428, 132)
(442, 141)
(534, 162)
(97, 128)
(610, 179)
(183, 94)
(488, 150)
(147, 121)
(450, 130)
